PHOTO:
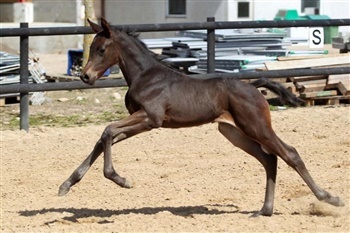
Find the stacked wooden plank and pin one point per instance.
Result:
(322, 89)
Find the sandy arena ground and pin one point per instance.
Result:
(186, 180)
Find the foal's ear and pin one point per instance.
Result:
(105, 25)
(95, 27)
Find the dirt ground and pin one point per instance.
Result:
(184, 180)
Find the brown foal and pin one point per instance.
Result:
(159, 96)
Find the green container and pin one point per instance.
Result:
(287, 15)
(316, 17)
(329, 32)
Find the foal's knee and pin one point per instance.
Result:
(107, 135)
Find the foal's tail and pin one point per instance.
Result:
(285, 96)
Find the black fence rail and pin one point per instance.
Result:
(210, 24)
(24, 32)
(20, 88)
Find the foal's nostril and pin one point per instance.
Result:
(84, 78)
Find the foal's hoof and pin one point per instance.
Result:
(63, 190)
(127, 184)
(255, 214)
(341, 203)
(334, 201)
(261, 213)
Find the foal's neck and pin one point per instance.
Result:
(134, 58)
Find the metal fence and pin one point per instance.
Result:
(24, 32)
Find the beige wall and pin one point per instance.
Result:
(155, 11)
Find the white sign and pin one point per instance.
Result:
(316, 38)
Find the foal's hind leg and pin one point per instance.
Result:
(292, 158)
(259, 129)
(269, 161)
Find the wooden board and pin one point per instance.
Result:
(2, 102)
(312, 87)
(301, 57)
(343, 88)
(279, 80)
(318, 94)
(307, 63)
(335, 78)
(327, 100)
(339, 81)
(307, 78)
(290, 87)
(301, 86)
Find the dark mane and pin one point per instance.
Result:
(136, 36)
(128, 31)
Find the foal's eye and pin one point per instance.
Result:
(102, 51)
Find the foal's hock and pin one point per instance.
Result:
(159, 96)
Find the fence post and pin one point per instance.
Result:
(24, 96)
(211, 47)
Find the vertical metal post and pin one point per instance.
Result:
(211, 47)
(24, 96)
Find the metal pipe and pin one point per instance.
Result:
(18, 88)
(279, 73)
(51, 31)
(211, 47)
(74, 85)
(24, 96)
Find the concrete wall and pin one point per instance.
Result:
(6, 12)
(51, 14)
(267, 10)
(42, 44)
(338, 10)
(45, 11)
(139, 12)
(148, 11)
(54, 11)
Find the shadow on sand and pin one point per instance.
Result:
(184, 211)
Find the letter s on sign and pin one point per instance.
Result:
(316, 37)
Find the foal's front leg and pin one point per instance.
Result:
(115, 132)
(78, 174)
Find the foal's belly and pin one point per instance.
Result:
(189, 116)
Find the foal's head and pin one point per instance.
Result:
(103, 53)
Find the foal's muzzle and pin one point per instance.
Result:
(88, 79)
(85, 78)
